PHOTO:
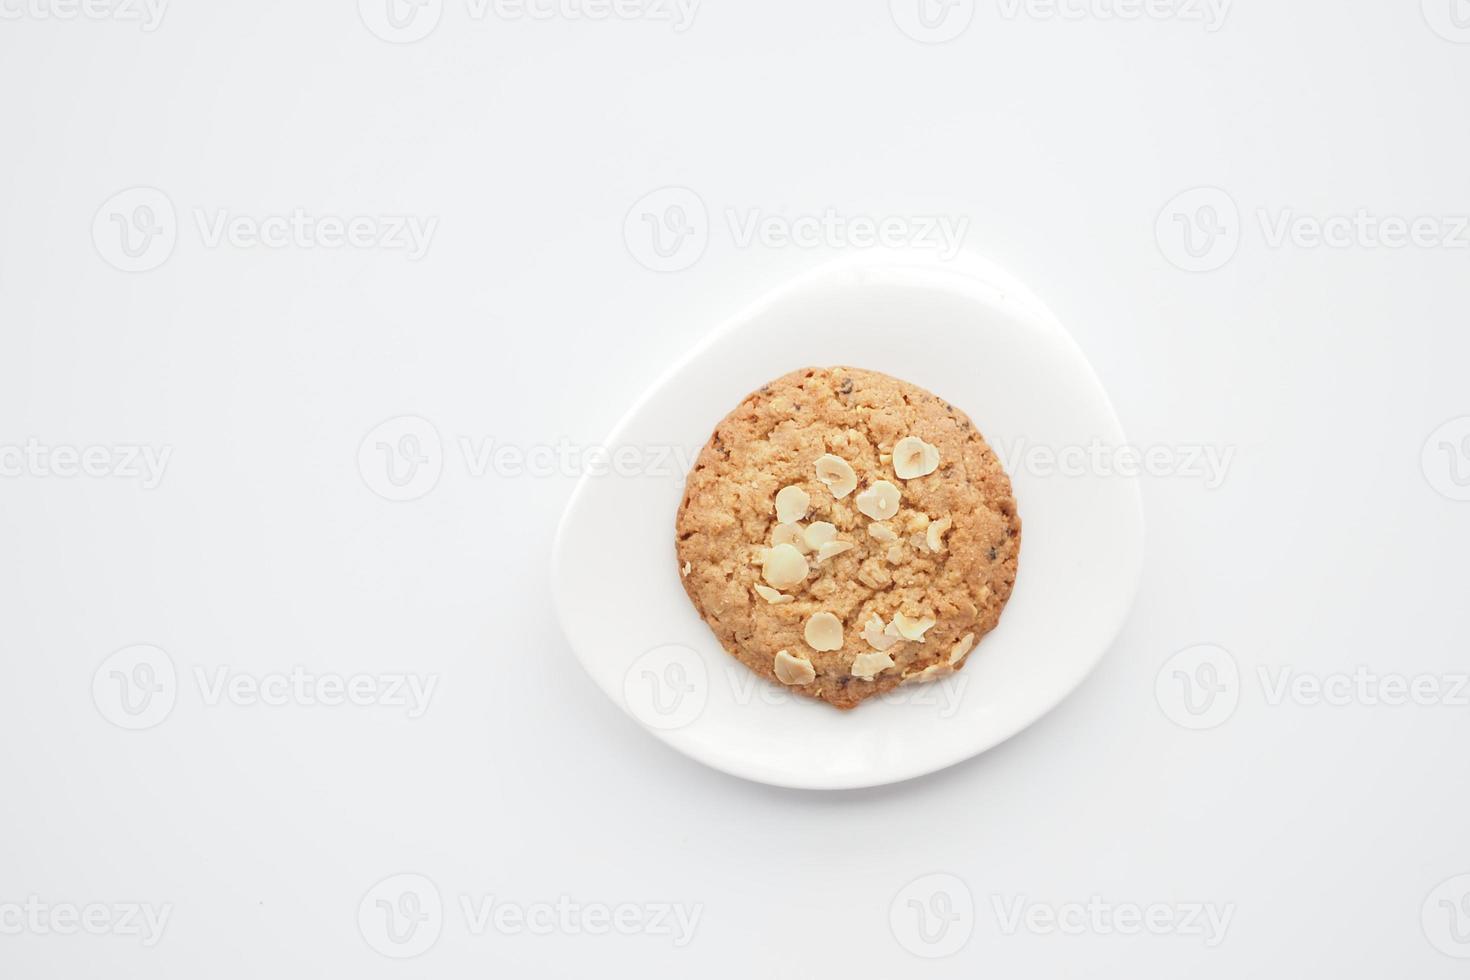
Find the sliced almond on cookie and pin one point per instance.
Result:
(879, 501)
(913, 457)
(823, 632)
(961, 649)
(794, 670)
(866, 666)
(932, 672)
(837, 474)
(791, 504)
(881, 532)
(772, 596)
(817, 534)
(831, 549)
(910, 629)
(934, 536)
(792, 534)
(783, 566)
(873, 632)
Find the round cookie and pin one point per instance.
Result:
(843, 532)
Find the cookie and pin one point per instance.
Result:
(844, 532)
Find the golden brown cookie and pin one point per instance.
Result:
(843, 532)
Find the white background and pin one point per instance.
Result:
(1332, 543)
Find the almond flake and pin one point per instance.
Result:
(869, 665)
(837, 474)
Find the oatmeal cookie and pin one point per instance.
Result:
(844, 532)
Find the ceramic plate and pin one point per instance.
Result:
(969, 333)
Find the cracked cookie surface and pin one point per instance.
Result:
(948, 554)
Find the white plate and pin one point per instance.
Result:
(972, 335)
